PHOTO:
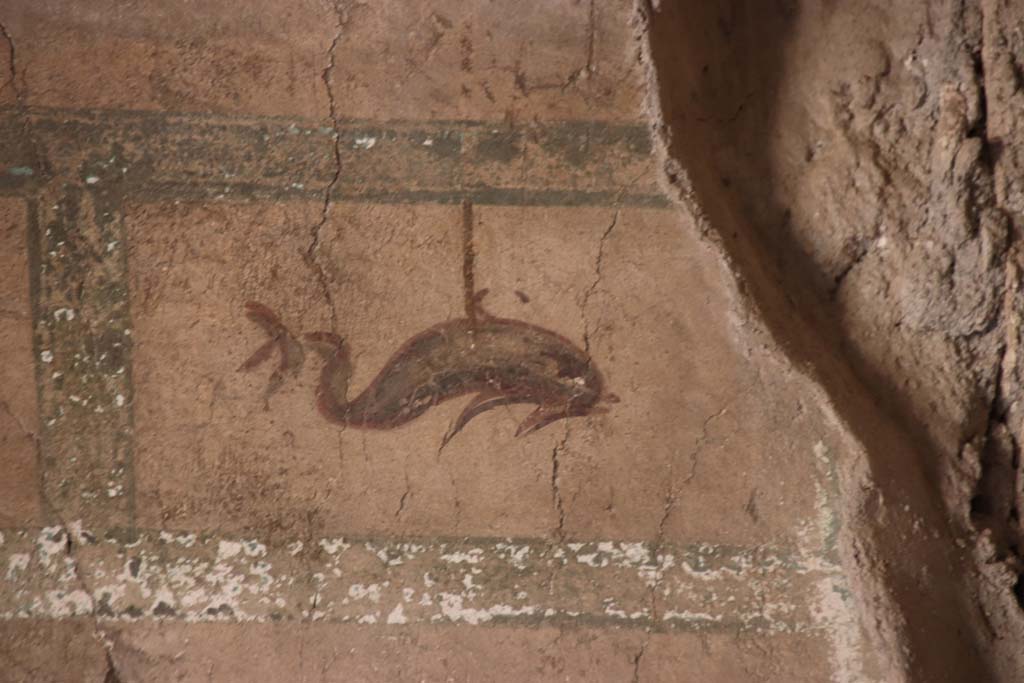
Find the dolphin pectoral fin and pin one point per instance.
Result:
(481, 403)
(540, 418)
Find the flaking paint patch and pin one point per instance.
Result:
(228, 549)
(360, 592)
(330, 545)
(397, 615)
(471, 557)
(75, 603)
(51, 543)
(16, 563)
(200, 577)
(515, 554)
(685, 615)
(453, 610)
(185, 540)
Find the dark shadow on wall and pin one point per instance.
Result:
(719, 66)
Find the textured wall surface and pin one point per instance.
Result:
(783, 233)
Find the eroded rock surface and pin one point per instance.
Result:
(859, 164)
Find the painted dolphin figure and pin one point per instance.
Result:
(501, 361)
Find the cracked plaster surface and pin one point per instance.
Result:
(552, 483)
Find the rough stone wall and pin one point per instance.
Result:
(859, 164)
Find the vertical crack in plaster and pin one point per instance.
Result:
(666, 512)
(637, 659)
(455, 498)
(77, 572)
(556, 491)
(671, 497)
(406, 493)
(599, 262)
(327, 75)
(111, 676)
(701, 440)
